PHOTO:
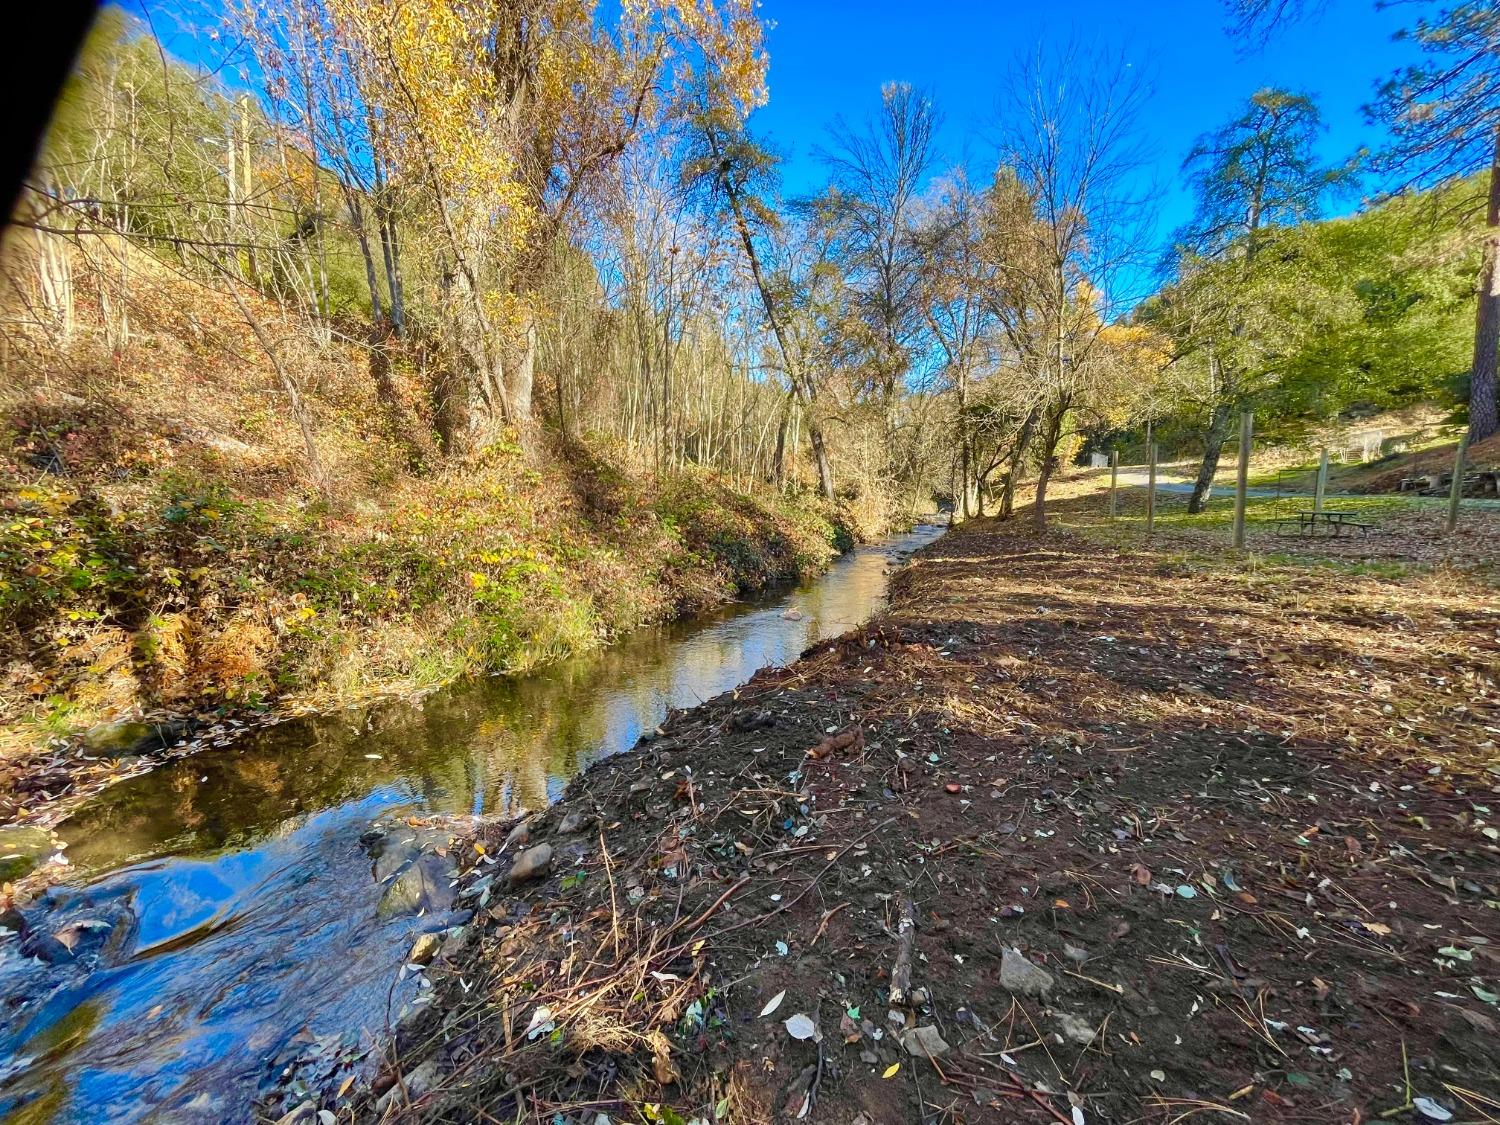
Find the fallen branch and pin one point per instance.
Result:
(906, 940)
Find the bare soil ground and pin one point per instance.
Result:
(1241, 816)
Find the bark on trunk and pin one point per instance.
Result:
(523, 375)
(1213, 444)
(1023, 443)
(820, 456)
(1483, 420)
(1051, 435)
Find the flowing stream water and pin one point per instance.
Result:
(235, 905)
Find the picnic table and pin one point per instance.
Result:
(1333, 523)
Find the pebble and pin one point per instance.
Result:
(519, 836)
(574, 823)
(1020, 976)
(307, 1111)
(1075, 1029)
(417, 1083)
(924, 1042)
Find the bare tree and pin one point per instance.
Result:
(1069, 224)
(737, 172)
(878, 172)
(1254, 22)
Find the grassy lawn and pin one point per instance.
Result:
(1407, 532)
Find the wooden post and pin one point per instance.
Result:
(1456, 490)
(1322, 485)
(1242, 480)
(1114, 481)
(1150, 483)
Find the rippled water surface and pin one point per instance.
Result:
(230, 905)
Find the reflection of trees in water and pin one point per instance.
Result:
(488, 745)
(45, 1100)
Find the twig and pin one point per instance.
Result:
(695, 922)
(614, 904)
(1115, 988)
(823, 923)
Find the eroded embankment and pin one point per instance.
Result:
(1062, 836)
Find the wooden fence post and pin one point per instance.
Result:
(1114, 481)
(1322, 485)
(1456, 489)
(1242, 479)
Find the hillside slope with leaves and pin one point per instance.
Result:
(163, 548)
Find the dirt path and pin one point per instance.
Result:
(1212, 842)
(1139, 478)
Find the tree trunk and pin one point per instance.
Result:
(1483, 420)
(820, 457)
(1051, 435)
(1219, 423)
(964, 448)
(523, 374)
(362, 236)
(299, 409)
(1023, 443)
(778, 458)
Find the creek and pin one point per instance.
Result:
(226, 911)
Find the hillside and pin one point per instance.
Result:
(167, 546)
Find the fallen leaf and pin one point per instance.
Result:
(1429, 1108)
(801, 1026)
(773, 1003)
(890, 1071)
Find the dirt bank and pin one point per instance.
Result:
(1151, 840)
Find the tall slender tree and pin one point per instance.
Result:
(739, 174)
(878, 172)
(1444, 117)
(1256, 173)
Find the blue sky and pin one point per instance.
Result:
(830, 57)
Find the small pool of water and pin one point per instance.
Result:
(237, 905)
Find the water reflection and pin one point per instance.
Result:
(247, 919)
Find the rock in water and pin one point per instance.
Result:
(116, 739)
(300, 1115)
(1020, 976)
(46, 947)
(422, 886)
(394, 853)
(128, 737)
(531, 864)
(424, 949)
